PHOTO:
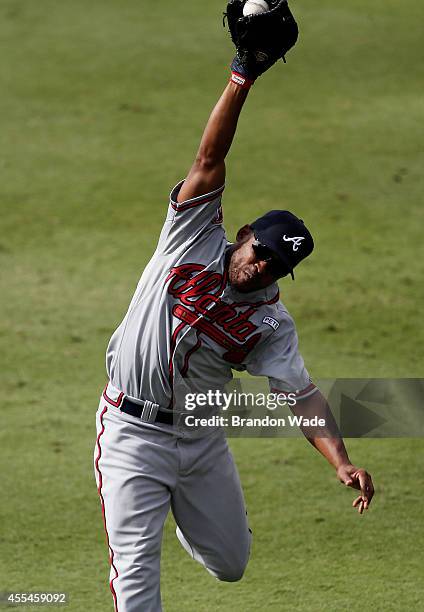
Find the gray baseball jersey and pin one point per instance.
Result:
(186, 321)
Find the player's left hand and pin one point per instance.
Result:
(358, 479)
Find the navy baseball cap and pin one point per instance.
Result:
(285, 235)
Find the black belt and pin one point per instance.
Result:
(136, 410)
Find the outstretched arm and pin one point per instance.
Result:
(260, 40)
(208, 170)
(328, 441)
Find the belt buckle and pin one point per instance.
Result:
(149, 412)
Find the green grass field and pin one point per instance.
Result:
(101, 110)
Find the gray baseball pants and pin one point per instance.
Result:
(141, 474)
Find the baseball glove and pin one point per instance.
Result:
(260, 39)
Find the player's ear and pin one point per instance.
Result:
(244, 233)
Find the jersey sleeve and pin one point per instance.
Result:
(279, 359)
(185, 221)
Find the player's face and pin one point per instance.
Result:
(247, 268)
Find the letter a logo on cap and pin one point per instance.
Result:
(297, 241)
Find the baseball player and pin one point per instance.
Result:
(203, 307)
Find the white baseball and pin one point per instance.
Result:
(253, 7)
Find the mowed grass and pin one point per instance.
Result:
(101, 111)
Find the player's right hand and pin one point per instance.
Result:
(359, 479)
